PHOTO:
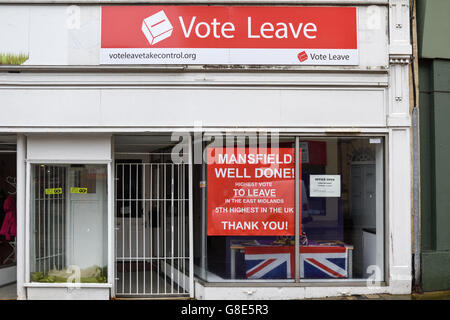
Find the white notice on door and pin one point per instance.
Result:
(325, 185)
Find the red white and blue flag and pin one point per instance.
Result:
(277, 262)
(268, 262)
(318, 262)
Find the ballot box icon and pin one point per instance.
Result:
(302, 56)
(157, 27)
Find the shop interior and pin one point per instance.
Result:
(8, 221)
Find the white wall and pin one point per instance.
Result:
(180, 99)
(68, 147)
(71, 293)
(184, 106)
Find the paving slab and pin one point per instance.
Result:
(8, 292)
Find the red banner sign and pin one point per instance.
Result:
(251, 191)
(229, 34)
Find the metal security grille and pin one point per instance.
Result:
(49, 223)
(152, 243)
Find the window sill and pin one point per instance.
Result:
(303, 283)
(67, 285)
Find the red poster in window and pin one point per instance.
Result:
(251, 191)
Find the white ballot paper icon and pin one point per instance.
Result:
(157, 27)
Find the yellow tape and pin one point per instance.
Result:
(53, 191)
(78, 190)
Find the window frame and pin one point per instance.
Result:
(323, 282)
(109, 226)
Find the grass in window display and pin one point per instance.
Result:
(93, 274)
(13, 58)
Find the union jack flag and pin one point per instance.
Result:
(277, 262)
(318, 262)
(268, 262)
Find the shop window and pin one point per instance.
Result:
(245, 219)
(68, 223)
(344, 186)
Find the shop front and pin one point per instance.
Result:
(211, 152)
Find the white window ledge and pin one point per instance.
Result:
(67, 285)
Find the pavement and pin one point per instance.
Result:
(436, 295)
(8, 292)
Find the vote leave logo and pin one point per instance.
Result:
(157, 27)
(302, 56)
